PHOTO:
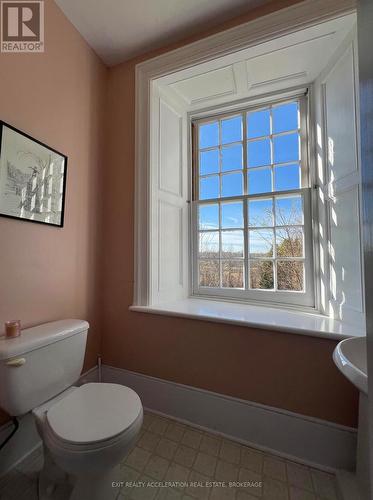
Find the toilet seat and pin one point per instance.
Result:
(92, 416)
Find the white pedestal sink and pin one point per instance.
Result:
(350, 356)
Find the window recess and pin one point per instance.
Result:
(251, 207)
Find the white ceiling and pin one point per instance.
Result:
(120, 29)
(290, 61)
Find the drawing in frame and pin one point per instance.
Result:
(32, 178)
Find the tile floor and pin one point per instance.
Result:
(175, 462)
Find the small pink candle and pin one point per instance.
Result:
(13, 328)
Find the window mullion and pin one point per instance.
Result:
(245, 204)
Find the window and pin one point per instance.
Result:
(251, 205)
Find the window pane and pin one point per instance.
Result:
(258, 124)
(231, 158)
(285, 117)
(209, 244)
(286, 148)
(231, 185)
(209, 187)
(289, 242)
(231, 130)
(260, 213)
(209, 162)
(208, 135)
(289, 211)
(259, 153)
(287, 177)
(231, 215)
(261, 243)
(208, 216)
(209, 273)
(290, 275)
(261, 274)
(233, 274)
(260, 181)
(232, 244)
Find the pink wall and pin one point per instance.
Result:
(48, 273)
(237, 361)
(66, 98)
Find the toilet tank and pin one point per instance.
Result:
(44, 361)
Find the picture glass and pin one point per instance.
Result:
(32, 179)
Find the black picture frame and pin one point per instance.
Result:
(16, 182)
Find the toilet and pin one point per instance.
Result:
(86, 430)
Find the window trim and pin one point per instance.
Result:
(275, 297)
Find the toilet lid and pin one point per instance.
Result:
(94, 412)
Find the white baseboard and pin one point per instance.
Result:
(305, 439)
(309, 440)
(27, 439)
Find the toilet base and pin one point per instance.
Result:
(55, 484)
(97, 488)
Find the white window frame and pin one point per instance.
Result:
(260, 30)
(284, 298)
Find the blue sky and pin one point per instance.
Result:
(285, 149)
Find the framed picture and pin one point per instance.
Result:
(32, 178)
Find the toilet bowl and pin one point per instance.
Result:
(86, 432)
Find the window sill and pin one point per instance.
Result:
(267, 318)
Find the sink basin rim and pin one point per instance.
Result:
(352, 372)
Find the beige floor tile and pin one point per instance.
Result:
(223, 493)
(192, 438)
(177, 473)
(250, 482)
(251, 459)
(198, 486)
(145, 492)
(210, 445)
(158, 425)
(274, 489)
(230, 452)
(138, 458)
(169, 451)
(166, 448)
(157, 467)
(299, 494)
(174, 432)
(242, 495)
(226, 471)
(274, 468)
(185, 456)
(205, 464)
(147, 420)
(324, 485)
(299, 476)
(168, 494)
(149, 441)
(127, 474)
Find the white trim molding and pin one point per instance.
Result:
(260, 30)
(308, 440)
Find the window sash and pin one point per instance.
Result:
(281, 297)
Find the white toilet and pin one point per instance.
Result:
(86, 430)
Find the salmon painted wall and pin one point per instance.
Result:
(278, 369)
(48, 273)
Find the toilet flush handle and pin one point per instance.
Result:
(16, 362)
